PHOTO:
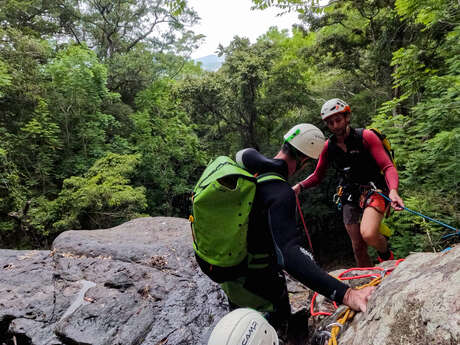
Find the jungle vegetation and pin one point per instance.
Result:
(104, 117)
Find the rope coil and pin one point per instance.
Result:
(348, 314)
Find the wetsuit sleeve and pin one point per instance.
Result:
(374, 145)
(239, 156)
(320, 170)
(255, 162)
(297, 261)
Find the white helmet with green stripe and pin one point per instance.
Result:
(243, 326)
(306, 138)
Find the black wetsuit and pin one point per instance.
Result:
(272, 225)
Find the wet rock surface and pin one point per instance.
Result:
(138, 284)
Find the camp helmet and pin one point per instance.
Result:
(306, 138)
(243, 326)
(334, 106)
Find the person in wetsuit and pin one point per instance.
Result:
(361, 161)
(272, 230)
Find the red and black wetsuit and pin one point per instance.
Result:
(365, 159)
(272, 226)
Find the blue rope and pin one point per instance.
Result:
(452, 234)
(426, 217)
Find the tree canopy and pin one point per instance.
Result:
(104, 117)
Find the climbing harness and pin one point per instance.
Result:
(457, 232)
(343, 313)
(303, 222)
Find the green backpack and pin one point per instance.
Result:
(221, 203)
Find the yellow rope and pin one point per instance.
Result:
(348, 313)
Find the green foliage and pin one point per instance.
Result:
(95, 136)
(170, 150)
(40, 137)
(77, 92)
(428, 12)
(12, 192)
(414, 233)
(289, 5)
(136, 70)
(103, 197)
(117, 27)
(33, 17)
(22, 59)
(244, 103)
(58, 115)
(406, 58)
(427, 138)
(410, 73)
(5, 77)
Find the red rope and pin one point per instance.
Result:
(340, 276)
(303, 222)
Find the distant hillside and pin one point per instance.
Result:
(210, 62)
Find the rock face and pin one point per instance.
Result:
(138, 284)
(418, 303)
(134, 284)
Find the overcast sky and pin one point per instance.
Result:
(221, 20)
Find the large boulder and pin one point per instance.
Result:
(138, 283)
(417, 303)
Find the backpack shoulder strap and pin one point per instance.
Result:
(270, 177)
(378, 133)
(359, 131)
(386, 144)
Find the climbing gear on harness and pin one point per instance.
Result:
(422, 215)
(222, 201)
(243, 326)
(306, 138)
(334, 106)
(337, 197)
(356, 166)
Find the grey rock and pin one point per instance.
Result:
(418, 303)
(138, 284)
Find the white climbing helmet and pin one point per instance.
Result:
(243, 326)
(306, 138)
(334, 106)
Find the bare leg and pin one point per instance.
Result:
(359, 246)
(369, 229)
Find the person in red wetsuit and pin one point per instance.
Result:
(361, 161)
